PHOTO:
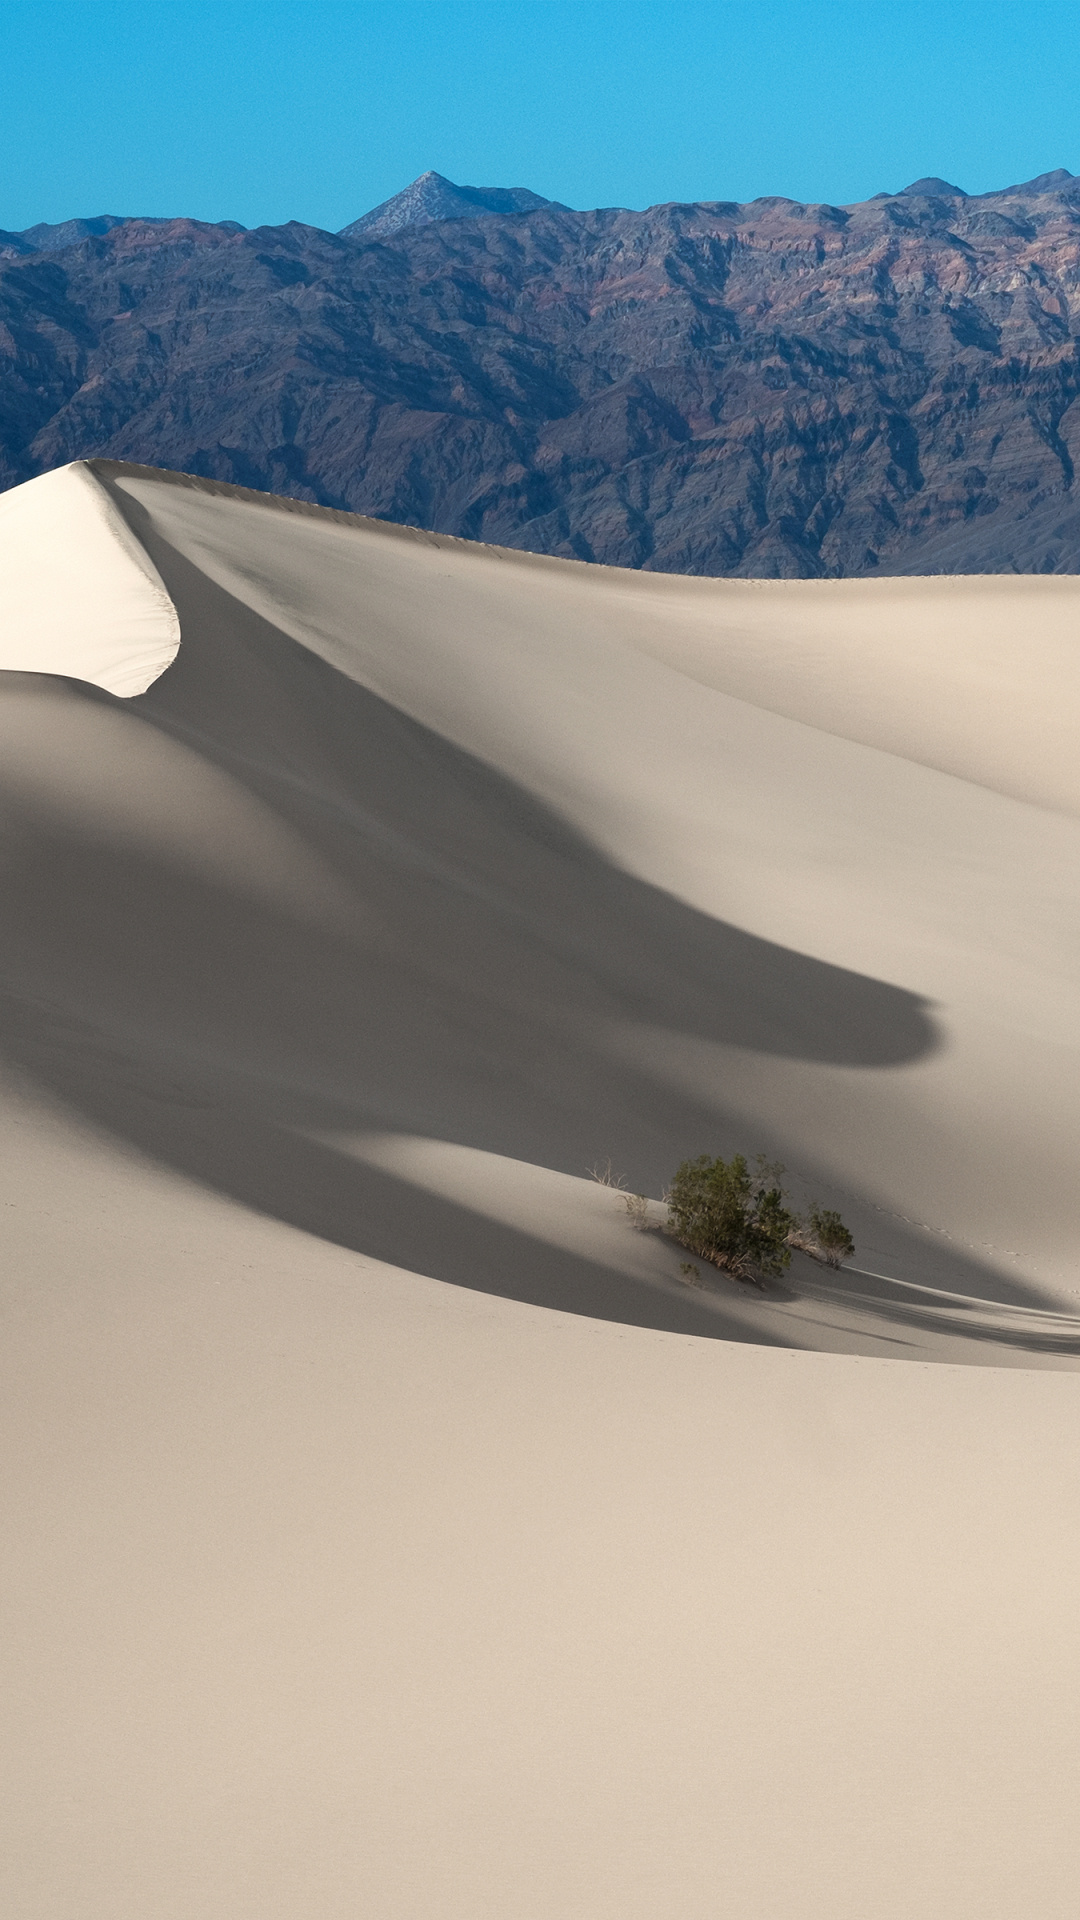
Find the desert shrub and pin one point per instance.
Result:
(738, 1218)
(637, 1206)
(638, 1209)
(823, 1236)
(731, 1216)
(605, 1175)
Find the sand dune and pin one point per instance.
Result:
(397, 1531)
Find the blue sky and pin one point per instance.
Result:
(318, 109)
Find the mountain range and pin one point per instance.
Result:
(770, 388)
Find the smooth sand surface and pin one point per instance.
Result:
(391, 1529)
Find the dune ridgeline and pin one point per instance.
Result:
(401, 1531)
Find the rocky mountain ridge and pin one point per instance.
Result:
(769, 388)
(434, 197)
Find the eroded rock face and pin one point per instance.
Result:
(767, 389)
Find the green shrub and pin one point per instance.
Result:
(831, 1241)
(739, 1219)
(732, 1217)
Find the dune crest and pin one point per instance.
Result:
(79, 595)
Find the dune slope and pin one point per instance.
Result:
(439, 875)
(395, 1529)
